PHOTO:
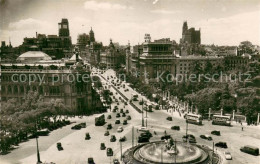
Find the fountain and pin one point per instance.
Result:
(167, 152)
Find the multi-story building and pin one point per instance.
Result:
(52, 82)
(184, 64)
(190, 36)
(156, 58)
(111, 57)
(54, 45)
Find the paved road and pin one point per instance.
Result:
(77, 150)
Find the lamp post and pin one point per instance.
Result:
(142, 113)
(37, 146)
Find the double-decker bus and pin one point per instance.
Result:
(193, 118)
(221, 120)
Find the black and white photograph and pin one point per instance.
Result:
(129, 81)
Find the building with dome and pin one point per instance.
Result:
(33, 56)
(111, 57)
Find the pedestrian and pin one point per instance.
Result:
(242, 128)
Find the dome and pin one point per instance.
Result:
(33, 56)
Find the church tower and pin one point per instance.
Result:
(91, 36)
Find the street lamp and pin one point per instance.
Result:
(37, 146)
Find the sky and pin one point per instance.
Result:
(222, 22)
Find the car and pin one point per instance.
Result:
(166, 137)
(106, 133)
(135, 99)
(59, 146)
(118, 103)
(118, 115)
(123, 114)
(221, 145)
(125, 122)
(215, 132)
(113, 138)
(116, 161)
(87, 137)
(144, 137)
(190, 138)
(109, 126)
(116, 100)
(120, 129)
(122, 139)
(91, 160)
(83, 125)
(175, 127)
(169, 118)
(76, 127)
(208, 137)
(109, 117)
(121, 110)
(227, 155)
(128, 117)
(102, 146)
(127, 111)
(117, 121)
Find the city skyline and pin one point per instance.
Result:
(220, 21)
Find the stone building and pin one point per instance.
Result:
(54, 80)
(190, 36)
(111, 57)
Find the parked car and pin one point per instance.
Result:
(113, 138)
(227, 155)
(109, 117)
(175, 127)
(122, 139)
(121, 110)
(215, 132)
(127, 111)
(109, 126)
(120, 129)
(123, 114)
(106, 133)
(128, 117)
(125, 122)
(87, 137)
(250, 150)
(91, 160)
(169, 118)
(117, 115)
(117, 121)
(221, 145)
(59, 146)
(76, 127)
(102, 146)
(110, 152)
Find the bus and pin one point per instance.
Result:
(221, 120)
(250, 150)
(193, 118)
